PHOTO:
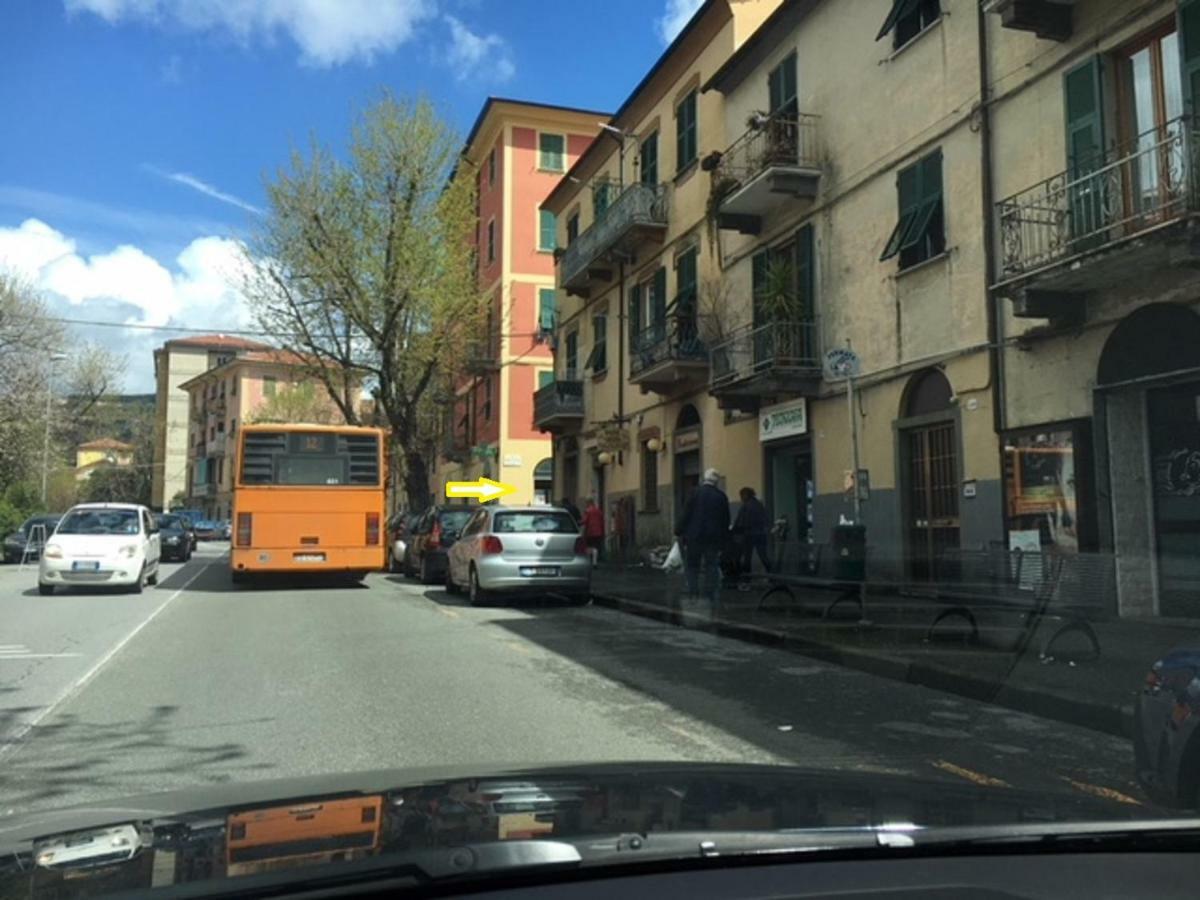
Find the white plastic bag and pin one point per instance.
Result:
(674, 560)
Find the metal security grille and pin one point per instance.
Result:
(932, 498)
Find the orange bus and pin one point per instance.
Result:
(308, 498)
(264, 840)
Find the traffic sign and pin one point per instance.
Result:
(842, 362)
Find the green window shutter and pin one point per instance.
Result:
(572, 354)
(658, 302)
(1085, 117)
(1188, 24)
(545, 378)
(758, 269)
(685, 132)
(547, 230)
(925, 217)
(600, 199)
(685, 272)
(572, 228)
(908, 190)
(806, 272)
(547, 310)
(781, 86)
(633, 322)
(649, 160)
(551, 152)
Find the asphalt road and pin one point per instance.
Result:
(194, 682)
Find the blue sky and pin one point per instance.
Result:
(140, 130)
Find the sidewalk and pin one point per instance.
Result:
(1095, 693)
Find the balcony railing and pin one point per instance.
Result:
(638, 206)
(1131, 191)
(664, 342)
(558, 403)
(776, 159)
(767, 358)
(483, 354)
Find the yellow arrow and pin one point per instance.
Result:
(484, 489)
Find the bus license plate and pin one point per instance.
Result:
(530, 571)
(309, 557)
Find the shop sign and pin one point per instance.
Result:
(687, 440)
(512, 460)
(783, 420)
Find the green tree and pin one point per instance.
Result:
(366, 262)
(303, 402)
(117, 484)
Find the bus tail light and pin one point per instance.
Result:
(244, 528)
(491, 545)
(372, 529)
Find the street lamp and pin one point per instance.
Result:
(53, 358)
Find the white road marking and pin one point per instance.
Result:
(12, 742)
(4, 656)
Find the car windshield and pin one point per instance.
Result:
(100, 521)
(796, 400)
(547, 522)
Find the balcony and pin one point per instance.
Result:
(668, 357)
(216, 446)
(558, 407)
(483, 354)
(637, 215)
(1074, 234)
(775, 162)
(753, 367)
(1048, 19)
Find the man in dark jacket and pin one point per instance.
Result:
(702, 529)
(752, 527)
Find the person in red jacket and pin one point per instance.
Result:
(593, 529)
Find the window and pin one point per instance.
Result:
(685, 273)
(597, 360)
(487, 399)
(572, 228)
(908, 18)
(633, 316)
(657, 297)
(784, 281)
(492, 167)
(603, 192)
(269, 386)
(547, 230)
(220, 470)
(547, 311)
(545, 377)
(233, 384)
(920, 234)
(1149, 107)
(571, 356)
(552, 152)
(781, 88)
(649, 479)
(220, 428)
(233, 426)
(491, 241)
(685, 132)
(649, 160)
(1049, 495)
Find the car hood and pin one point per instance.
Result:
(99, 545)
(245, 829)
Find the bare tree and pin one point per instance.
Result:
(367, 263)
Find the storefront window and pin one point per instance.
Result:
(1049, 501)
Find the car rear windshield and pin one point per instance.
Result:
(454, 520)
(100, 521)
(542, 523)
(170, 522)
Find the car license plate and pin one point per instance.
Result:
(530, 571)
(85, 565)
(309, 557)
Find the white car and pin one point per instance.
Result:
(101, 544)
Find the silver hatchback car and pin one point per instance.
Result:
(526, 550)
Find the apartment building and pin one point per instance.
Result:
(629, 408)
(517, 151)
(234, 393)
(176, 362)
(1095, 274)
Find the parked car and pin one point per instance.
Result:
(1166, 733)
(526, 550)
(400, 527)
(435, 532)
(177, 540)
(226, 530)
(206, 529)
(102, 544)
(30, 537)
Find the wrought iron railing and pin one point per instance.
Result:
(666, 340)
(784, 139)
(559, 398)
(1127, 191)
(638, 204)
(780, 348)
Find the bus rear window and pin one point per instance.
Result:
(310, 458)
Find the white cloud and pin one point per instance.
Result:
(127, 285)
(471, 54)
(328, 32)
(674, 17)
(205, 188)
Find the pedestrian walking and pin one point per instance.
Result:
(593, 529)
(753, 525)
(573, 510)
(703, 529)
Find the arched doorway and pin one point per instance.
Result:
(543, 481)
(928, 433)
(1148, 399)
(687, 442)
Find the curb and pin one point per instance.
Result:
(1116, 720)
